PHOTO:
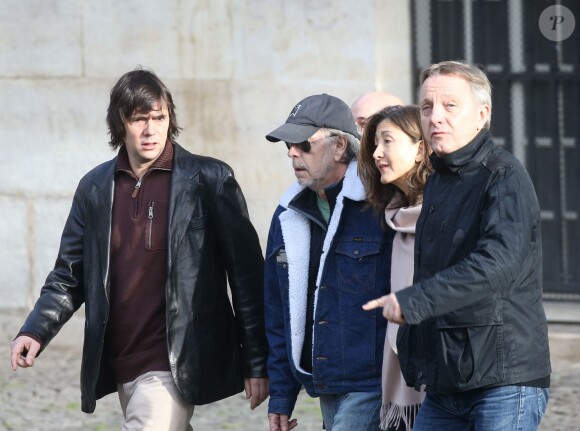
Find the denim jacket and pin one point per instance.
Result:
(354, 268)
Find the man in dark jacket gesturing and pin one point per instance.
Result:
(152, 238)
(475, 331)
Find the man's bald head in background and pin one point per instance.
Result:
(371, 103)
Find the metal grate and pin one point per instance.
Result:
(536, 104)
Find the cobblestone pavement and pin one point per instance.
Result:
(47, 396)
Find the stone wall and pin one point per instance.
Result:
(235, 68)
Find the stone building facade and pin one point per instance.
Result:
(235, 68)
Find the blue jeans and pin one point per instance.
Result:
(358, 411)
(505, 408)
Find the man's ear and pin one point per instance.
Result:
(484, 111)
(420, 149)
(340, 148)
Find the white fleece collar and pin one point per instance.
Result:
(352, 188)
(296, 233)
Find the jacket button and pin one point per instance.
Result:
(431, 209)
(323, 286)
(321, 358)
(356, 252)
(419, 375)
(322, 322)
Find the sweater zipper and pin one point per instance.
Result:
(137, 187)
(150, 227)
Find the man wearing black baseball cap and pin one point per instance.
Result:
(325, 258)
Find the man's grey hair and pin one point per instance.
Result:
(352, 147)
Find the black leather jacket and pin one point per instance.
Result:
(211, 241)
(475, 315)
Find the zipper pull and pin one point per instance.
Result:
(137, 187)
(149, 234)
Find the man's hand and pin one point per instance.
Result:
(281, 422)
(391, 310)
(23, 351)
(257, 390)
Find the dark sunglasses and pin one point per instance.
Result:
(305, 146)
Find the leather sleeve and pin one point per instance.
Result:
(62, 293)
(241, 250)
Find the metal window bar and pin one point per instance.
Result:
(536, 93)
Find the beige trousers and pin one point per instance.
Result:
(151, 402)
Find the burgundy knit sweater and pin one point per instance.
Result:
(135, 339)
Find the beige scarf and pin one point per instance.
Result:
(400, 403)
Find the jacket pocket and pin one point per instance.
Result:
(282, 273)
(156, 225)
(470, 356)
(356, 265)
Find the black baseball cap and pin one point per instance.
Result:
(313, 113)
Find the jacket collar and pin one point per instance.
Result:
(295, 229)
(306, 202)
(475, 151)
(352, 188)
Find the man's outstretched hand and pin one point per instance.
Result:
(391, 310)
